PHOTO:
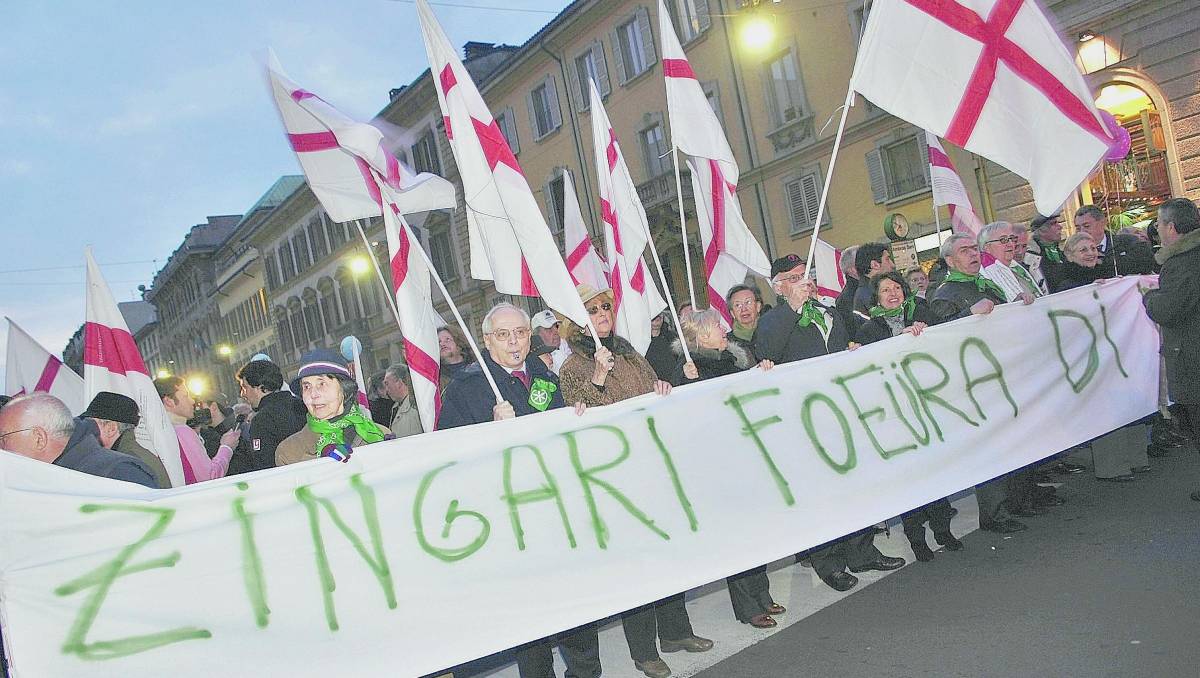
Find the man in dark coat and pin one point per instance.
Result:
(527, 387)
(845, 300)
(1175, 305)
(962, 294)
(114, 417)
(277, 413)
(870, 261)
(1091, 219)
(798, 328)
(1043, 253)
(40, 426)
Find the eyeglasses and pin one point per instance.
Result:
(20, 430)
(792, 279)
(745, 304)
(602, 307)
(521, 333)
(1005, 239)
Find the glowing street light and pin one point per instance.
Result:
(224, 350)
(359, 265)
(162, 373)
(757, 33)
(197, 385)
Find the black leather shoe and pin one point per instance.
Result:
(884, 564)
(654, 668)
(1123, 478)
(841, 581)
(1028, 511)
(690, 644)
(1003, 526)
(949, 541)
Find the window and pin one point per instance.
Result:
(425, 155)
(507, 122)
(287, 265)
(691, 17)
(329, 308)
(316, 238)
(655, 152)
(301, 339)
(368, 292)
(544, 114)
(858, 19)
(590, 66)
(784, 90)
(349, 299)
(272, 267)
(337, 234)
(300, 246)
(803, 195)
(441, 253)
(285, 330)
(899, 166)
(555, 201)
(633, 46)
(312, 318)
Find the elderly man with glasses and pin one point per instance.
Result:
(998, 263)
(801, 327)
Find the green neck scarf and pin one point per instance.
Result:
(981, 283)
(1051, 251)
(908, 308)
(742, 332)
(809, 314)
(334, 432)
(1025, 278)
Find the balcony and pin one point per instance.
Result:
(1134, 180)
(793, 134)
(661, 189)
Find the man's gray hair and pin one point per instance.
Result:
(948, 246)
(502, 306)
(990, 231)
(399, 372)
(846, 263)
(44, 411)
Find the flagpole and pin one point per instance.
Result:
(837, 144)
(391, 297)
(937, 221)
(687, 355)
(687, 257)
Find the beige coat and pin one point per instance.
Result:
(631, 374)
(302, 445)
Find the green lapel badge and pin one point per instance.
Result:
(541, 392)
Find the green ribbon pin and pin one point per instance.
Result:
(541, 393)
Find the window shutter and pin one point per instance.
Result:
(643, 24)
(875, 172)
(576, 85)
(923, 146)
(812, 198)
(799, 214)
(510, 124)
(552, 100)
(533, 123)
(601, 68)
(618, 55)
(702, 17)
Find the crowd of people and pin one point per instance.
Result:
(547, 362)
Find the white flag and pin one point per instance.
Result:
(112, 362)
(730, 250)
(635, 297)
(830, 277)
(510, 242)
(338, 156)
(28, 367)
(418, 320)
(583, 261)
(948, 189)
(999, 83)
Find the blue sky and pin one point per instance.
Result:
(123, 124)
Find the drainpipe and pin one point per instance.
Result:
(739, 96)
(583, 173)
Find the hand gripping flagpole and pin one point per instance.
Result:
(687, 257)
(837, 143)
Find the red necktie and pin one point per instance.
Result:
(520, 374)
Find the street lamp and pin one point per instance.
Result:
(162, 373)
(758, 32)
(224, 350)
(197, 385)
(359, 265)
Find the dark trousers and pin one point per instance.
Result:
(853, 550)
(666, 619)
(580, 649)
(750, 593)
(1188, 415)
(937, 514)
(993, 501)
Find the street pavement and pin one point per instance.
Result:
(1103, 586)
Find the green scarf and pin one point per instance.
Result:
(1051, 251)
(333, 432)
(1023, 274)
(908, 308)
(742, 332)
(981, 283)
(809, 314)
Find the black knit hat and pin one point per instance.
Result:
(785, 263)
(323, 361)
(113, 407)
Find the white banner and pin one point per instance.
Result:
(428, 551)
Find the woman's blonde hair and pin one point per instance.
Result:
(693, 323)
(1071, 246)
(569, 330)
